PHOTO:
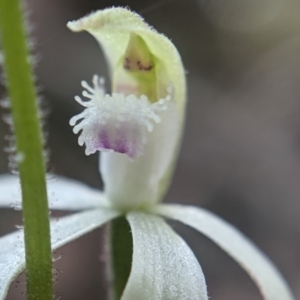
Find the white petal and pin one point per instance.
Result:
(12, 256)
(163, 266)
(268, 279)
(63, 193)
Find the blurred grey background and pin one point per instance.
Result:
(241, 151)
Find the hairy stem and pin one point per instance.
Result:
(29, 148)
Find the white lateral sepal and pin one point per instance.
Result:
(263, 272)
(63, 231)
(163, 266)
(63, 194)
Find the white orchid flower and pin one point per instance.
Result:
(138, 129)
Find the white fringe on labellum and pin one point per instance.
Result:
(116, 122)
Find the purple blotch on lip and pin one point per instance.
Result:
(121, 146)
(123, 143)
(103, 141)
(117, 141)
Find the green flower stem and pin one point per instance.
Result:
(120, 255)
(29, 149)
